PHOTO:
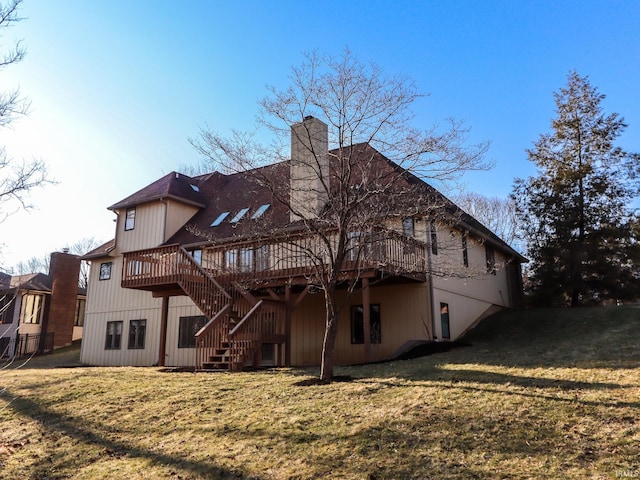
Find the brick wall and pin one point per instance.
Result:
(64, 270)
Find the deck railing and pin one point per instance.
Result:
(173, 265)
(269, 259)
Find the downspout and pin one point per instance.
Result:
(164, 220)
(430, 280)
(44, 324)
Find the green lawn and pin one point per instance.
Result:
(538, 394)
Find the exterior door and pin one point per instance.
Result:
(444, 321)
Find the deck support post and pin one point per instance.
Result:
(287, 324)
(163, 331)
(366, 319)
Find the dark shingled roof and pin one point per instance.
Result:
(5, 280)
(217, 193)
(173, 185)
(101, 251)
(30, 281)
(232, 193)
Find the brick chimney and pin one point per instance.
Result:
(64, 269)
(309, 167)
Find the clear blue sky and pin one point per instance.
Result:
(118, 86)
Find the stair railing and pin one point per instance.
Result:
(264, 323)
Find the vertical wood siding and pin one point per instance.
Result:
(177, 215)
(148, 229)
(469, 297)
(404, 312)
(107, 301)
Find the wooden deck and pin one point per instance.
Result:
(271, 263)
(239, 323)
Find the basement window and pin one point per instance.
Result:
(137, 331)
(239, 215)
(357, 324)
(260, 211)
(220, 218)
(187, 330)
(114, 336)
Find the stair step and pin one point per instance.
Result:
(222, 366)
(219, 358)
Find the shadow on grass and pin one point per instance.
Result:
(559, 390)
(65, 425)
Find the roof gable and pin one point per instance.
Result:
(173, 185)
(101, 251)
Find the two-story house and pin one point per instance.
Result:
(38, 311)
(213, 271)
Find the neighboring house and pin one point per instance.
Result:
(188, 281)
(39, 311)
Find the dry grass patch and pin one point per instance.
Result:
(503, 408)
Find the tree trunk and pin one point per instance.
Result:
(330, 335)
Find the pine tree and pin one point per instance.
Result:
(575, 212)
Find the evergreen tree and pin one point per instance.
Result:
(580, 232)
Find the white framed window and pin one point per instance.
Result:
(113, 338)
(137, 332)
(32, 306)
(408, 227)
(78, 320)
(130, 219)
(105, 271)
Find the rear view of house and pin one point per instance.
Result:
(216, 272)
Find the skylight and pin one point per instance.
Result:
(194, 187)
(258, 213)
(220, 218)
(239, 215)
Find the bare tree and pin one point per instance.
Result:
(334, 195)
(17, 178)
(79, 248)
(33, 265)
(40, 264)
(497, 214)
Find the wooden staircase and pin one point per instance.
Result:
(229, 342)
(238, 324)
